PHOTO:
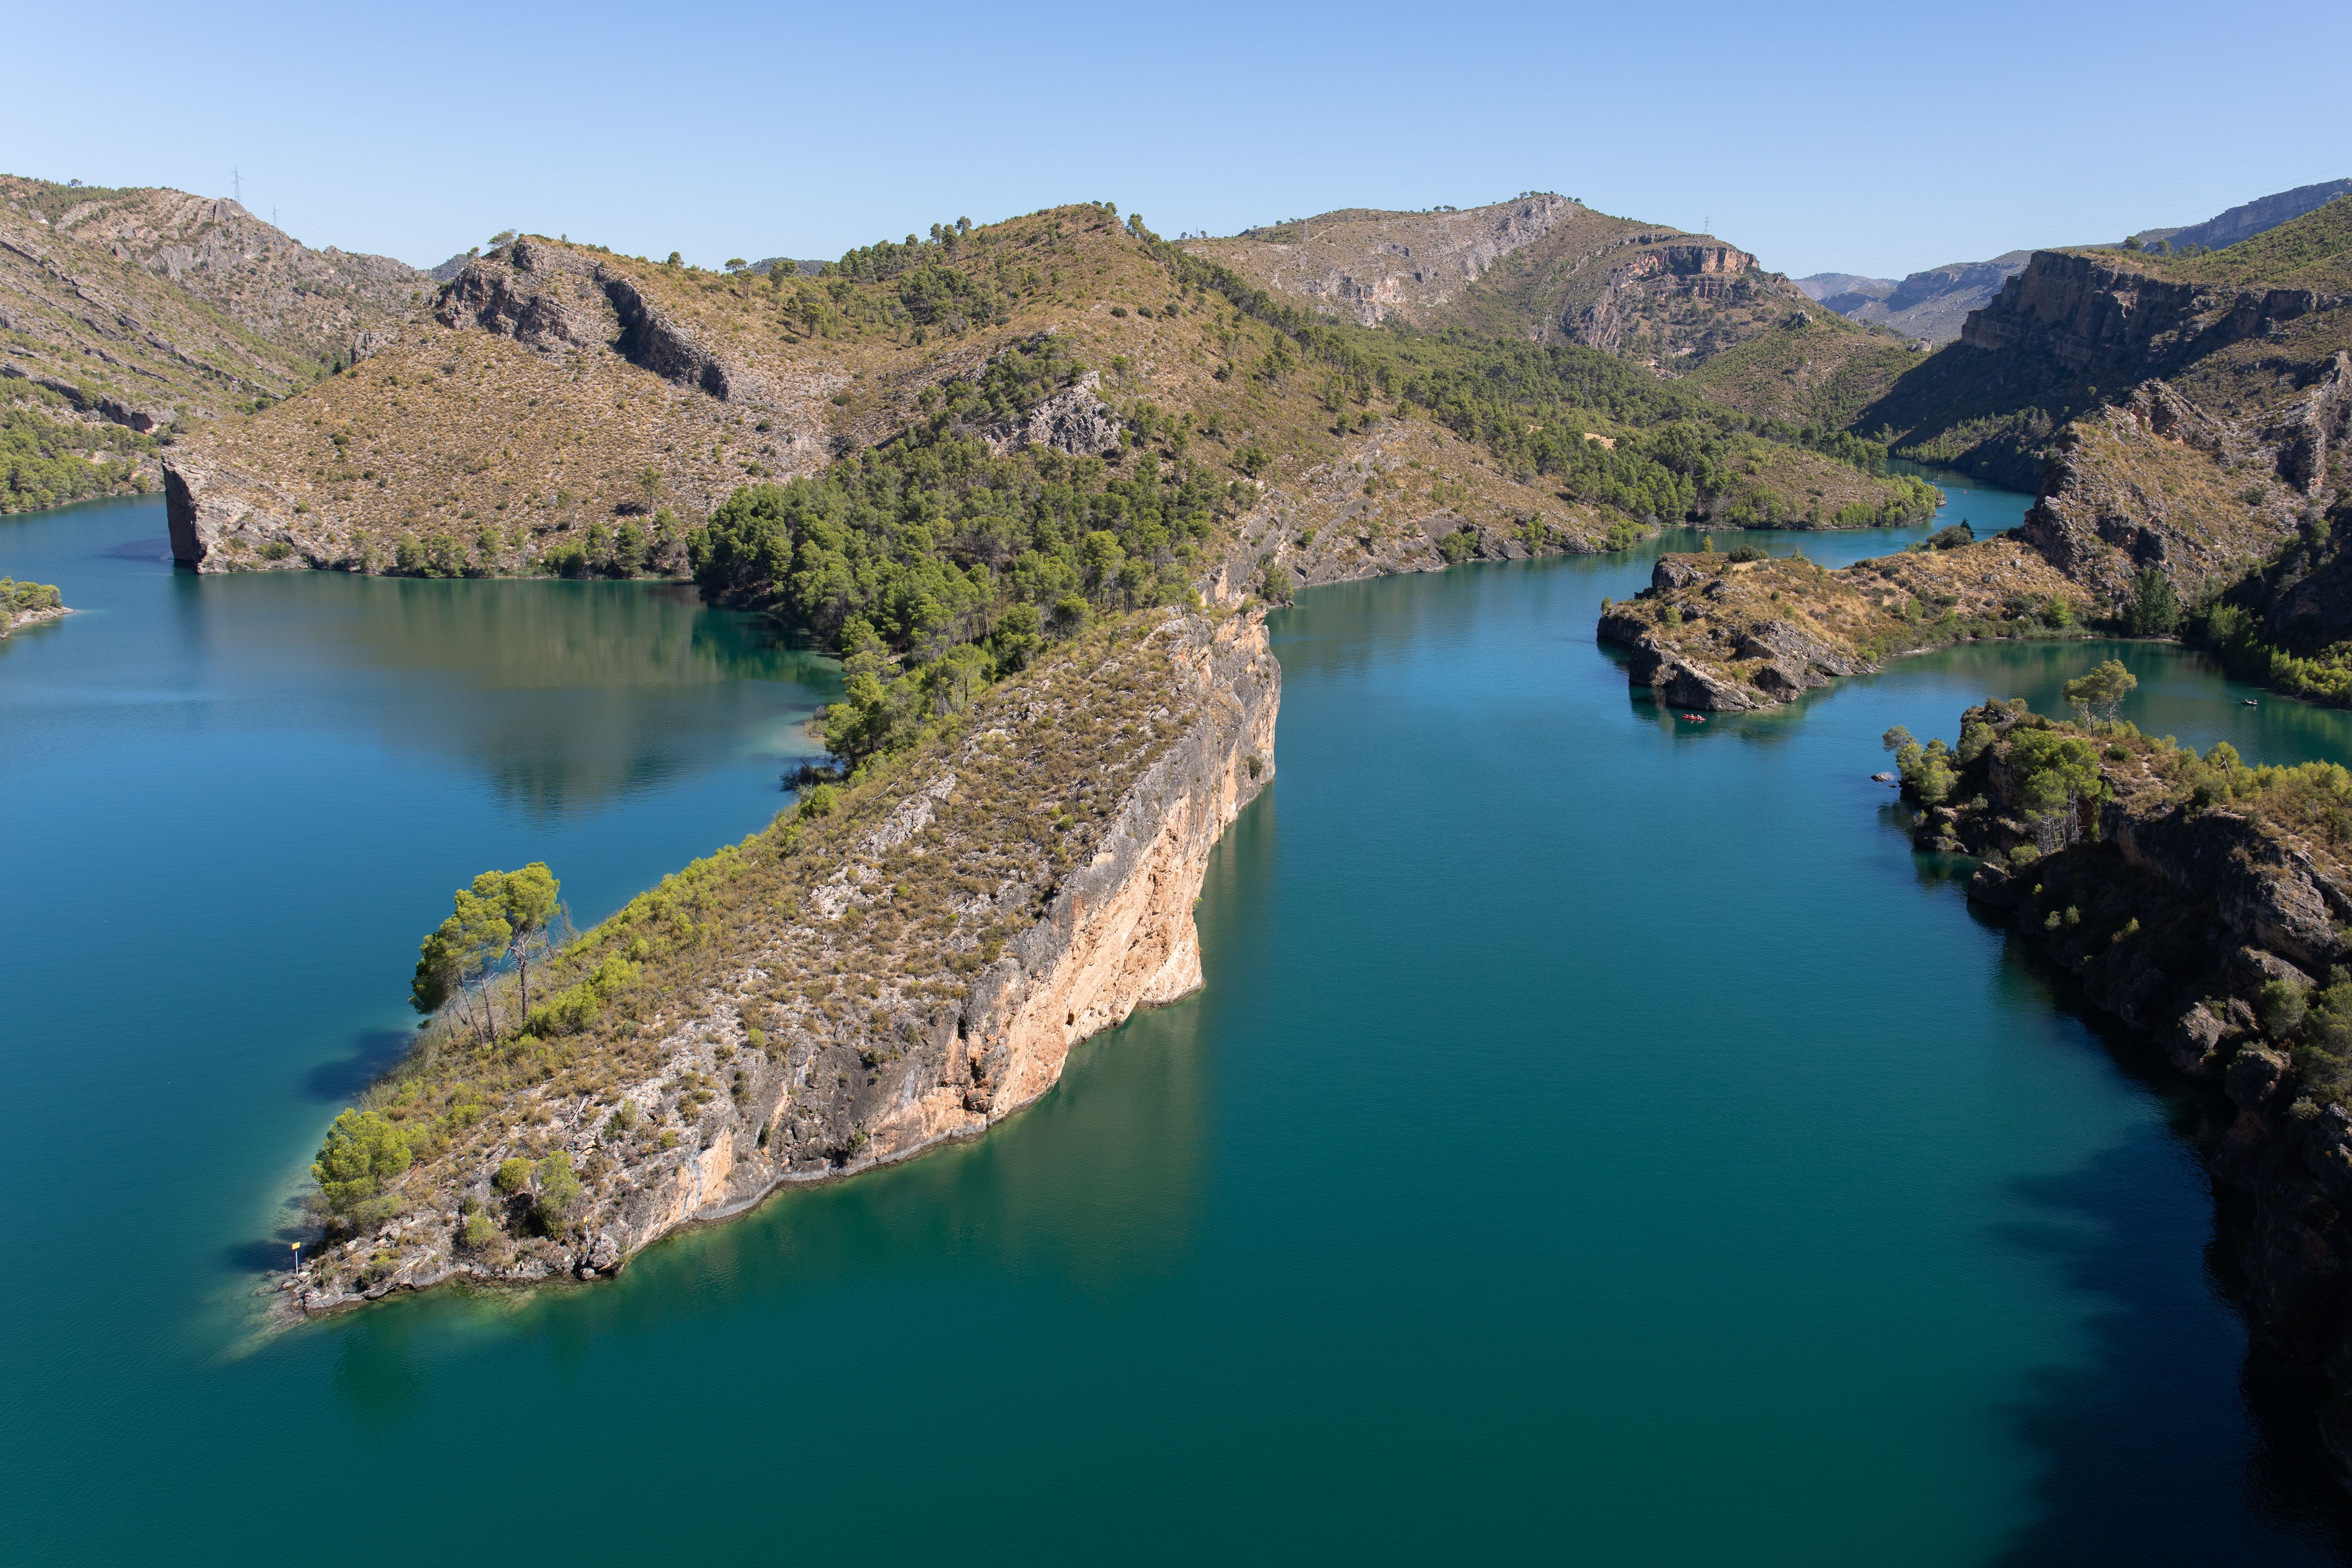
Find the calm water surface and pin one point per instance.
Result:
(1601, 1139)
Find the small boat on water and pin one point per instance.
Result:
(1693, 717)
(2248, 702)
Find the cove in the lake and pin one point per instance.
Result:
(1600, 1136)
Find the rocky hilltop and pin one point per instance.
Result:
(2204, 904)
(908, 962)
(128, 316)
(314, 303)
(1372, 266)
(1545, 269)
(556, 398)
(480, 413)
(148, 306)
(554, 391)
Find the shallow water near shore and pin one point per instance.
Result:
(1599, 1138)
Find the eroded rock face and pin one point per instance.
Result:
(204, 507)
(2105, 320)
(1115, 934)
(2158, 482)
(1372, 266)
(1075, 420)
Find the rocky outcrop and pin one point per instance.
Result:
(2157, 482)
(1369, 266)
(216, 516)
(2116, 325)
(408, 469)
(652, 340)
(1075, 420)
(550, 299)
(1112, 932)
(1722, 636)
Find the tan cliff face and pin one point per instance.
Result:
(2101, 318)
(821, 1083)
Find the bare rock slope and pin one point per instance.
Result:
(145, 307)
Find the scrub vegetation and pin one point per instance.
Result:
(841, 926)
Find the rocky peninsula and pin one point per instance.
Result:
(2204, 904)
(903, 961)
(1737, 631)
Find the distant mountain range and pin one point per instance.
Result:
(1932, 305)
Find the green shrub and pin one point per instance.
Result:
(558, 1192)
(513, 1176)
(2281, 1008)
(363, 1150)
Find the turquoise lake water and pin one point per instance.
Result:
(1600, 1139)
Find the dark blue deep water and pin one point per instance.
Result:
(1601, 1139)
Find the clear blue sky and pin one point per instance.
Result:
(1876, 140)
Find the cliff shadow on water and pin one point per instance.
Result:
(2135, 1417)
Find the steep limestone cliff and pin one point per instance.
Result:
(2078, 332)
(862, 985)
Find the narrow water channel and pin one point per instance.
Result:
(1600, 1139)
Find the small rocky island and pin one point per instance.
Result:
(27, 604)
